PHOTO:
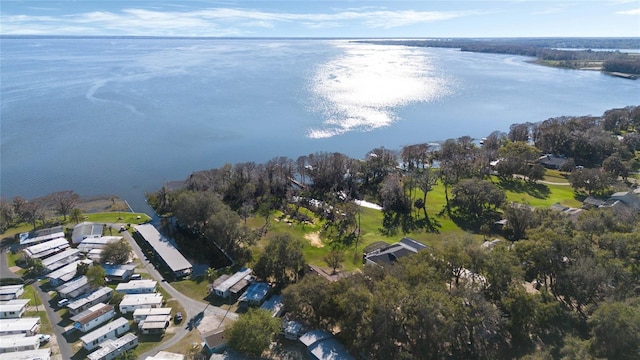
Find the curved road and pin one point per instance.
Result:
(192, 307)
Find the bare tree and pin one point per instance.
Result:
(64, 201)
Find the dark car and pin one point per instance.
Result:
(177, 318)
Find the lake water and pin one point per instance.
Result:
(122, 116)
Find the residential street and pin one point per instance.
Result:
(192, 307)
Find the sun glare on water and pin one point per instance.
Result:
(361, 89)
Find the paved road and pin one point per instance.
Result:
(65, 349)
(191, 307)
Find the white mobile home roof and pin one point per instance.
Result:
(67, 272)
(73, 285)
(136, 284)
(111, 346)
(103, 330)
(89, 244)
(41, 235)
(85, 230)
(118, 270)
(46, 248)
(234, 279)
(40, 354)
(164, 355)
(58, 260)
(151, 312)
(13, 305)
(10, 289)
(167, 251)
(80, 302)
(92, 312)
(18, 341)
(24, 324)
(139, 299)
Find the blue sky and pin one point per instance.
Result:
(313, 18)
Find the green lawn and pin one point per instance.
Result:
(195, 289)
(117, 217)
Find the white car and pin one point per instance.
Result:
(44, 338)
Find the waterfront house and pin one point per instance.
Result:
(291, 329)
(86, 230)
(111, 330)
(66, 272)
(112, 348)
(132, 302)
(224, 289)
(102, 294)
(28, 326)
(61, 259)
(13, 308)
(93, 317)
(14, 343)
(119, 273)
(41, 235)
(164, 250)
(47, 248)
(142, 314)
(11, 292)
(138, 287)
(40, 354)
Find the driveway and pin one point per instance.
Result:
(193, 308)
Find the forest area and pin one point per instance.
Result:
(556, 287)
(573, 53)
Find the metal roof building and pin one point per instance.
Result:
(111, 330)
(144, 286)
(10, 292)
(46, 248)
(41, 235)
(66, 272)
(86, 230)
(13, 308)
(110, 349)
(222, 290)
(89, 244)
(167, 252)
(40, 354)
(61, 259)
(28, 326)
(100, 295)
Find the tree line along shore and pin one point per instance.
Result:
(571, 53)
(505, 274)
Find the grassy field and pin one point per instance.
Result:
(538, 195)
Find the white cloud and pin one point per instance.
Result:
(214, 21)
(629, 12)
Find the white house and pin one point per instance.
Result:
(224, 288)
(137, 287)
(102, 294)
(46, 248)
(91, 243)
(323, 346)
(13, 308)
(10, 292)
(142, 314)
(41, 235)
(13, 343)
(86, 230)
(61, 259)
(28, 326)
(40, 354)
(119, 272)
(165, 355)
(154, 324)
(110, 349)
(111, 330)
(66, 272)
(93, 317)
(74, 288)
(274, 305)
(132, 302)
